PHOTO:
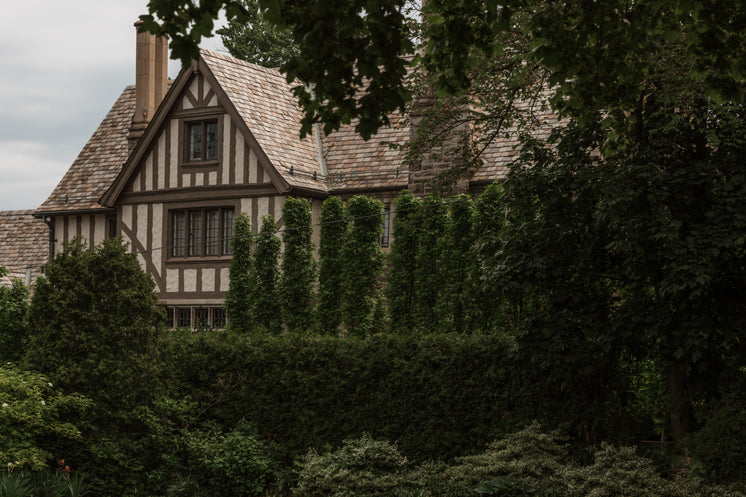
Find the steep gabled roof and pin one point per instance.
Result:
(262, 100)
(266, 104)
(23, 244)
(98, 163)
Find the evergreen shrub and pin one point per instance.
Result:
(529, 462)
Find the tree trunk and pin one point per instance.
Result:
(680, 408)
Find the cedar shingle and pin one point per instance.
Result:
(23, 244)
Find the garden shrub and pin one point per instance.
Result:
(530, 454)
(616, 472)
(236, 463)
(530, 462)
(35, 419)
(361, 467)
(13, 319)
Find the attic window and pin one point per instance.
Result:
(202, 141)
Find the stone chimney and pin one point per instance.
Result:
(151, 75)
(442, 143)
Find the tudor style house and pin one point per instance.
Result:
(173, 163)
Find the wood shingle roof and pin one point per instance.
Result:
(356, 164)
(23, 244)
(264, 101)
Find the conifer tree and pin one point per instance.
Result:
(242, 276)
(93, 318)
(334, 227)
(401, 283)
(93, 321)
(266, 259)
(491, 208)
(458, 261)
(298, 265)
(363, 264)
(429, 276)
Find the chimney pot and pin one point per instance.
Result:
(151, 73)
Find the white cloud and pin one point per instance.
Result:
(64, 65)
(29, 174)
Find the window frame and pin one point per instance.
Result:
(176, 316)
(182, 242)
(186, 147)
(385, 238)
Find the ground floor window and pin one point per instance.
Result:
(195, 317)
(201, 232)
(385, 223)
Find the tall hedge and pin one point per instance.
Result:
(298, 265)
(334, 227)
(439, 396)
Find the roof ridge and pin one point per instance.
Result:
(17, 212)
(235, 60)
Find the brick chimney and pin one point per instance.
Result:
(151, 74)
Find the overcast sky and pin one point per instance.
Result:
(62, 66)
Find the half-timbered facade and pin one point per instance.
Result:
(173, 163)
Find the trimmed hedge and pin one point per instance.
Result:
(437, 396)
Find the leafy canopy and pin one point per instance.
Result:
(252, 38)
(355, 54)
